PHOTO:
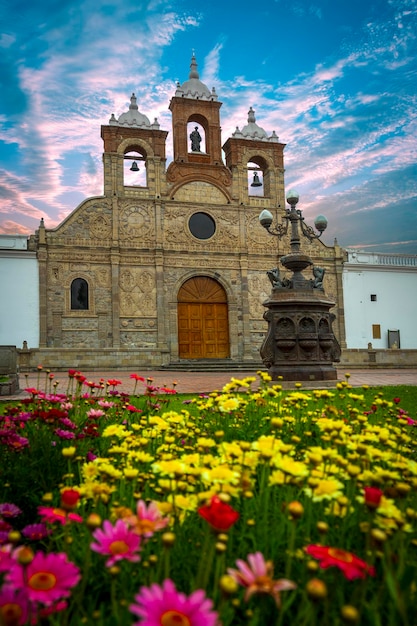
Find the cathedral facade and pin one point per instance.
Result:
(169, 265)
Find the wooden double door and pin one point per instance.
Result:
(203, 326)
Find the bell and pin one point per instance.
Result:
(256, 182)
(134, 167)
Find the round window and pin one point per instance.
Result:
(202, 225)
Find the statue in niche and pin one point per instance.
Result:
(195, 140)
(318, 273)
(275, 279)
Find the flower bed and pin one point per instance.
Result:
(247, 506)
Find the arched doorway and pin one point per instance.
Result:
(203, 328)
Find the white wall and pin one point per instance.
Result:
(393, 280)
(19, 299)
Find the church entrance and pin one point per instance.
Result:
(203, 327)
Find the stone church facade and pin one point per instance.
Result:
(169, 265)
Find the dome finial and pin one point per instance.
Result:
(133, 103)
(193, 68)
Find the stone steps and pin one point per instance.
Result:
(212, 365)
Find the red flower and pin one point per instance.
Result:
(69, 499)
(220, 515)
(113, 382)
(133, 409)
(373, 497)
(396, 400)
(351, 566)
(137, 377)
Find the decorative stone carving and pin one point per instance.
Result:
(135, 223)
(100, 226)
(137, 292)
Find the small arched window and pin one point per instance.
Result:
(79, 295)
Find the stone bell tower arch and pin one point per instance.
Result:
(194, 103)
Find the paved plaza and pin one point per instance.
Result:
(204, 382)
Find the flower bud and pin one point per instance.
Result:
(228, 585)
(316, 589)
(295, 509)
(93, 521)
(25, 555)
(350, 614)
(168, 539)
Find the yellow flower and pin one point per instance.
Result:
(277, 478)
(69, 451)
(115, 430)
(130, 472)
(219, 475)
(186, 503)
(141, 456)
(206, 442)
(170, 468)
(326, 489)
(289, 466)
(228, 404)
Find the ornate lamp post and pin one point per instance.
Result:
(299, 344)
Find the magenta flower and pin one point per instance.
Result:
(148, 519)
(4, 538)
(35, 532)
(47, 578)
(118, 541)
(6, 558)
(163, 604)
(257, 576)
(8, 510)
(13, 606)
(64, 434)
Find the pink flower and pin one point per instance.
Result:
(94, 414)
(118, 541)
(163, 604)
(105, 404)
(147, 520)
(256, 575)
(51, 515)
(13, 606)
(47, 578)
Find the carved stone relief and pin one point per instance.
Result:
(137, 292)
(100, 226)
(136, 224)
(259, 289)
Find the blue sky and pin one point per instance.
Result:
(335, 79)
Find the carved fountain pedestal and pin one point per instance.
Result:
(299, 344)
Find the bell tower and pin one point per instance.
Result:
(197, 136)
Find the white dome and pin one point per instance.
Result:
(193, 87)
(132, 117)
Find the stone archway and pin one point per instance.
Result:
(203, 326)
